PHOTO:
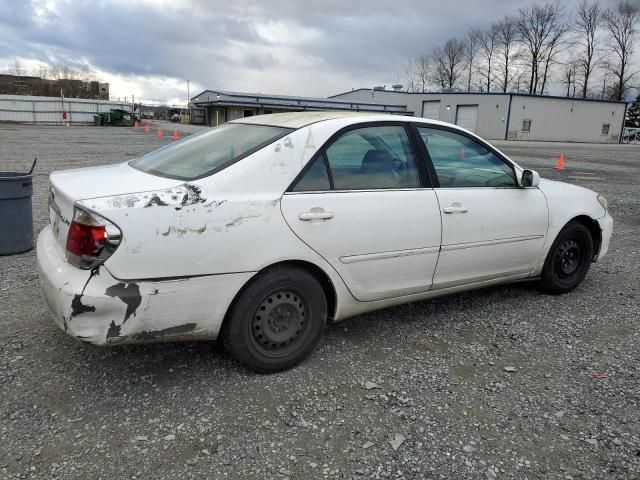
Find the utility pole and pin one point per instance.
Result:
(62, 106)
(188, 99)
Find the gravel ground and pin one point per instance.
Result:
(496, 383)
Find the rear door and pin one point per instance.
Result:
(491, 228)
(364, 206)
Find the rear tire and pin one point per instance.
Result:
(568, 260)
(277, 320)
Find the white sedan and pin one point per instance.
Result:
(260, 230)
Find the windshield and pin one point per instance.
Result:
(208, 152)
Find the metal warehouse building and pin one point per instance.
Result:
(510, 116)
(213, 107)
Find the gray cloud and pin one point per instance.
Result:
(314, 47)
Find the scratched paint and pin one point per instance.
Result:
(179, 197)
(129, 294)
(77, 307)
(183, 231)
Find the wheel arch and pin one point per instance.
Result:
(319, 274)
(594, 229)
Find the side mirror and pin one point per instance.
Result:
(530, 179)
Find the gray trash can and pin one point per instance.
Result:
(16, 217)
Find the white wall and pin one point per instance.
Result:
(48, 110)
(565, 120)
(492, 109)
(553, 119)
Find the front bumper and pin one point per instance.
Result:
(94, 306)
(606, 227)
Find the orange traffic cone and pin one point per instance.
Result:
(146, 128)
(135, 124)
(176, 135)
(159, 132)
(560, 163)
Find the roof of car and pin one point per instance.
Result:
(302, 119)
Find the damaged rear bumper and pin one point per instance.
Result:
(95, 307)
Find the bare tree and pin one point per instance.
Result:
(448, 63)
(559, 28)
(588, 22)
(488, 46)
(410, 77)
(542, 30)
(55, 72)
(507, 51)
(64, 72)
(418, 73)
(85, 73)
(15, 68)
(41, 70)
(621, 23)
(569, 80)
(471, 50)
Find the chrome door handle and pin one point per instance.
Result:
(315, 215)
(455, 208)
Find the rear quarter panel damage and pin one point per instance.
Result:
(94, 306)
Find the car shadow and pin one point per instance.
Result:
(172, 362)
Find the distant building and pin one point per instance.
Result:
(213, 107)
(509, 116)
(42, 87)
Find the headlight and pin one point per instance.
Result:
(603, 201)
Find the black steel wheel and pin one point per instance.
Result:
(568, 260)
(279, 323)
(277, 320)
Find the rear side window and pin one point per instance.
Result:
(208, 152)
(363, 159)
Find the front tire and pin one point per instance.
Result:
(277, 320)
(568, 260)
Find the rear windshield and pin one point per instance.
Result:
(205, 153)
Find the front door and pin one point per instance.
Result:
(491, 228)
(361, 205)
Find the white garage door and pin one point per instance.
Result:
(431, 109)
(467, 116)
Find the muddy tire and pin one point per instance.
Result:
(568, 260)
(276, 321)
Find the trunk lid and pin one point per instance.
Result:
(71, 186)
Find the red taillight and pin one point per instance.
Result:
(86, 240)
(91, 239)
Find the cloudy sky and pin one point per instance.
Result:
(149, 48)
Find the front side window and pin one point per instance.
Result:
(462, 162)
(205, 153)
(366, 159)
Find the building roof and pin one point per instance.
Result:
(558, 97)
(225, 98)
